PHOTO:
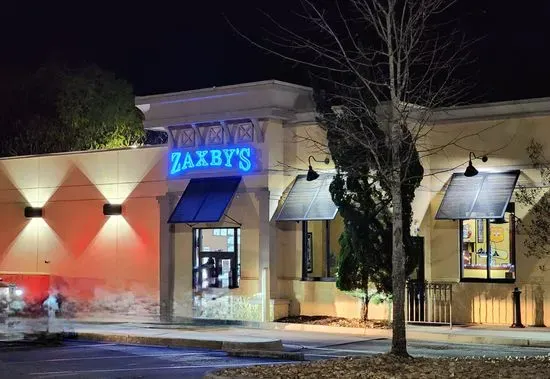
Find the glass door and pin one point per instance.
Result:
(216, 261)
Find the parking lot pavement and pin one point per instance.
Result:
(108, 360)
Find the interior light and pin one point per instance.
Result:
(112, 209)
(33, 212)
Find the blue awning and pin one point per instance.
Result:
(205, 200)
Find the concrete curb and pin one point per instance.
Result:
(270, 345)
(212, 375)
(11, 337)
(286, 355)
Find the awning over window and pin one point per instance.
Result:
(205, 200)
(485, 195)
(309, 200)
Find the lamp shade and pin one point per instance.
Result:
(112, 209)
(33, 212)
(311, 174)
(470, 170)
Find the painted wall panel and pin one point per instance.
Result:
(101, 264)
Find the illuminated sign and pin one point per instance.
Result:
(235, 158)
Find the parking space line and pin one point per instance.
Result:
(72, 373)
(115, 357)
(84, 346)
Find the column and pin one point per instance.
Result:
(267, 258)
(166, 253)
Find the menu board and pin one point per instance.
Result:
(485, 195)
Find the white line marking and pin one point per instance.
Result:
(108, 357)
(89, 345)
(71, 373)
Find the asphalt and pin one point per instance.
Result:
(87, 359)
(108, 360)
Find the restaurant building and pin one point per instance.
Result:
(222, 222)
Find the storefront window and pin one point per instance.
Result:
(488, 249)
(321, 248)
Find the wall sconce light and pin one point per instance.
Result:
(33, 212)
(112, 209)
(311, 173)
(471, 170)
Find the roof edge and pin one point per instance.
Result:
(212, 91)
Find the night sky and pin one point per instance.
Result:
(160, 48)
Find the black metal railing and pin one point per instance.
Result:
(429, 303)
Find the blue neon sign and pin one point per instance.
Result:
(235, 158)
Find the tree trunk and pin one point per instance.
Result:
(365, 308)
(399, 340)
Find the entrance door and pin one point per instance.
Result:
(216, 259)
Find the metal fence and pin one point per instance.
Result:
(429, 303)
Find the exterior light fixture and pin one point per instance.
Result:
(112, 209)
(471, 170)
(33, 212)
(311, 173)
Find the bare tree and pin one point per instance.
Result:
(385, 64)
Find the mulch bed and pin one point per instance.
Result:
(337, 321)
(387, 366)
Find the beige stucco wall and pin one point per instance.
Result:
(309, 298)
(74, 247)
(117, 255)
(282, 156)
(505, 142)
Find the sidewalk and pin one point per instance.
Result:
(269, 336)
(218, 338)
(478, 334)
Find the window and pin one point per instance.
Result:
(219, 232)
(320, 248)
(488, 249)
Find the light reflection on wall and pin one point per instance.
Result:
(35, 179)
(29, 250)
(116, 174)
